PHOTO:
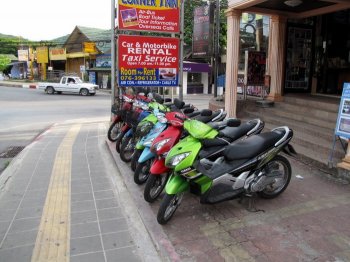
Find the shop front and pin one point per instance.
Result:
(307, 46)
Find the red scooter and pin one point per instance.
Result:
(159, 173)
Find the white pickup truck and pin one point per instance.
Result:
(71, 84)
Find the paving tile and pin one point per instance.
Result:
(84, 230)
(18, 254)
(102, 186)
(128, 254)
(104, 194)
(20, 225)
(7, 214)
(117, 240)
(82, 206)
(29, 212)
(100, 180)
(33, 201)
(11, 204)
(83, 217)
(113, 225)
(20, 239)
(3, 228)
(36, 193)
(107, 203)
(81, 188)
(110, 213)
(85, 245)
(91, 257)
(82, 197)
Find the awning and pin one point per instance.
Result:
(77, 55)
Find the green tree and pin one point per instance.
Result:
(4, 61)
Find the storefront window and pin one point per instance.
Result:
(254, 34)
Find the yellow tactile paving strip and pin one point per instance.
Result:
(53, 239)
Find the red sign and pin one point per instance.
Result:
(150, 15)
(148, 61)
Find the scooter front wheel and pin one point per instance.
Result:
(154, 186)
(134, 159)
(114, 131)
(127, 149)
(142, 172)
(168, 207)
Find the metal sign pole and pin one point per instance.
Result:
(181, 96)
(113, 13)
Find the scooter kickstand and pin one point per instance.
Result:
(251, 203)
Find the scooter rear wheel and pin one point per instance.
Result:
(119, 140)
(281, 166)
(168, 207)
(154, 186)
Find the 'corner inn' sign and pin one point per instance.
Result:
(149, 15)
(148, 61)
(343, 121)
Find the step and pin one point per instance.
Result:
(329, 103)
(319, 113)
(276, 120)
(306, 119)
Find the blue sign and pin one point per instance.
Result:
(343, 121)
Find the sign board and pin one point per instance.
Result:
(256, 66)
(82, 68)
(343, 121)
(23, 55)
(104, 61)
(148, 61)
(89, 47)
(201, 42)
(151, 15)
(56, 53)
(42, 54)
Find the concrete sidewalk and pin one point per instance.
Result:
(62, 199)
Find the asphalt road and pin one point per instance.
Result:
(25, 113)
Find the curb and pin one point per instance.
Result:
(30, 86)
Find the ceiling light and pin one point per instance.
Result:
(293, 3)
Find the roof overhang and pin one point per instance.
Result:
(307, 8)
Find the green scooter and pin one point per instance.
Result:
(203, 142)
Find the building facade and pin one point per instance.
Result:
(308, 49)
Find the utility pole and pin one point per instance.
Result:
(216, 48)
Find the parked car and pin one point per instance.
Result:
(70, 84)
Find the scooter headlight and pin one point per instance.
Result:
(160, 144)
(177, 159)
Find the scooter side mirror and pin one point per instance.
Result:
(206, 112)
(233, 122)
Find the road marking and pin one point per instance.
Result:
(53, 239)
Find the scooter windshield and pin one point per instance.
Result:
(199, 129)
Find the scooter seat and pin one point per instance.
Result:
(252, 146)
(233, 133)
(206, 119)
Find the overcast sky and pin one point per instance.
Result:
(46, 19)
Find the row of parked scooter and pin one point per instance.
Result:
(179, 148)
